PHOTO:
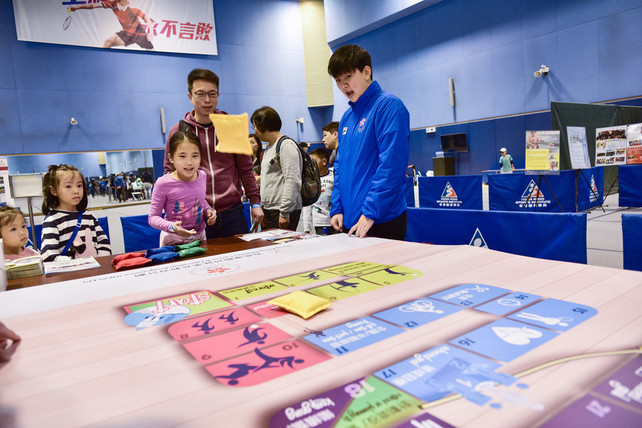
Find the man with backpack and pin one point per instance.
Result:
(280, 172)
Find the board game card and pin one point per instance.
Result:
(267, 310)
(356, 268)
(593, 412)
(252, 290)
(440, 371)
(392, 275)
(508, 303)
(469, 295)
(625, 385)
(362, 402)
(353, 335)
(306, 278)
(504, 340)
(265, 364)
(418, 312)
(555, 314)
(236, 342)
(212, 324)
(342, 289)
(172, 309)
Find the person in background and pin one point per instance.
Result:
(148, 182)
(228, 175)
(331, 140)
(316, 217)
(181, 194)
(280, 177)
(374, 136)
(506, 162)
(14, 234)
(257, 155)
(305, 146)
(9, 342)
(119, 183)
(68, 229)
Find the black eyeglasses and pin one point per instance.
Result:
(212, 95)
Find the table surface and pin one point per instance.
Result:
(212, 247)
(79, 364)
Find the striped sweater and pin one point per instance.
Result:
(58, 227)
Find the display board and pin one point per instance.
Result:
(542, 152)
(409, 324)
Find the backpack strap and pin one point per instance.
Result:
(278, 148)
(73, 235)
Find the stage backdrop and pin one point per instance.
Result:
(185, 26)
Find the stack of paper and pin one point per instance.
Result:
(25, 266)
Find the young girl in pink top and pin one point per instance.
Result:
(14, 234)
(181, 194)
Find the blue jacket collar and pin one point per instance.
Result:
(364, 99)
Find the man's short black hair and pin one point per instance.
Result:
(331, 127)
(201, 73)
(266, 119)
(347, 59)
(320, 153)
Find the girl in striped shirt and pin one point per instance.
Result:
(65, 202)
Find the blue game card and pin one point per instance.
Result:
(469, 295)
(353, 335)
(509, 303)
(439, 371)
(504, 339)
(417, 312)
(555, 314)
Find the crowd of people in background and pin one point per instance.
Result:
(122, 187)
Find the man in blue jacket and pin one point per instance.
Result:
(372, 159)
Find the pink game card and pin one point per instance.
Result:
(212, 323)
(237, 342)
(266, 364)
(266, 309)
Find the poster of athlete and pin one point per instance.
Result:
(149, 25)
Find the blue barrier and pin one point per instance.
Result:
(630, 177)
(550, 236)
(453, 191)
(104, 223)
(138, 234)
(409, 191)
(632, 241)
(590, 188)
(510, 192)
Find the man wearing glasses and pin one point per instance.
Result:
(227, 174)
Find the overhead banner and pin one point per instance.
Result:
(185, 26)
(454, 191)
(544, 235)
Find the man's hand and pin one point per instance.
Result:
(257, 215)
(284, 223)
(362, 227)
(211, 216)
(8, 343)
(337, 222)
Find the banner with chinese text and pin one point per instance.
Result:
(185, 26)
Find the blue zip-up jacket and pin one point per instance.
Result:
(372, 158)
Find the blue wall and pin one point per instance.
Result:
(116, 96)
(490, 47)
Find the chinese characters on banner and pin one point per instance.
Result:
(185, 26)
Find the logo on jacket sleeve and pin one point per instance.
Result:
(362, 124)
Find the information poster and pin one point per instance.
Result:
(610, 145)
(542, 152)
(634, 144)
(578, 147)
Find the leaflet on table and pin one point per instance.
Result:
(271, 235)
(70, 265)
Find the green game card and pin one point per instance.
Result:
(252, 290)
(356, 268)
(377, 404)
(392, 275)
(342, 289)
(306, 278)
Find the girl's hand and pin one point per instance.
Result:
(211, 216)
(183, 232)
